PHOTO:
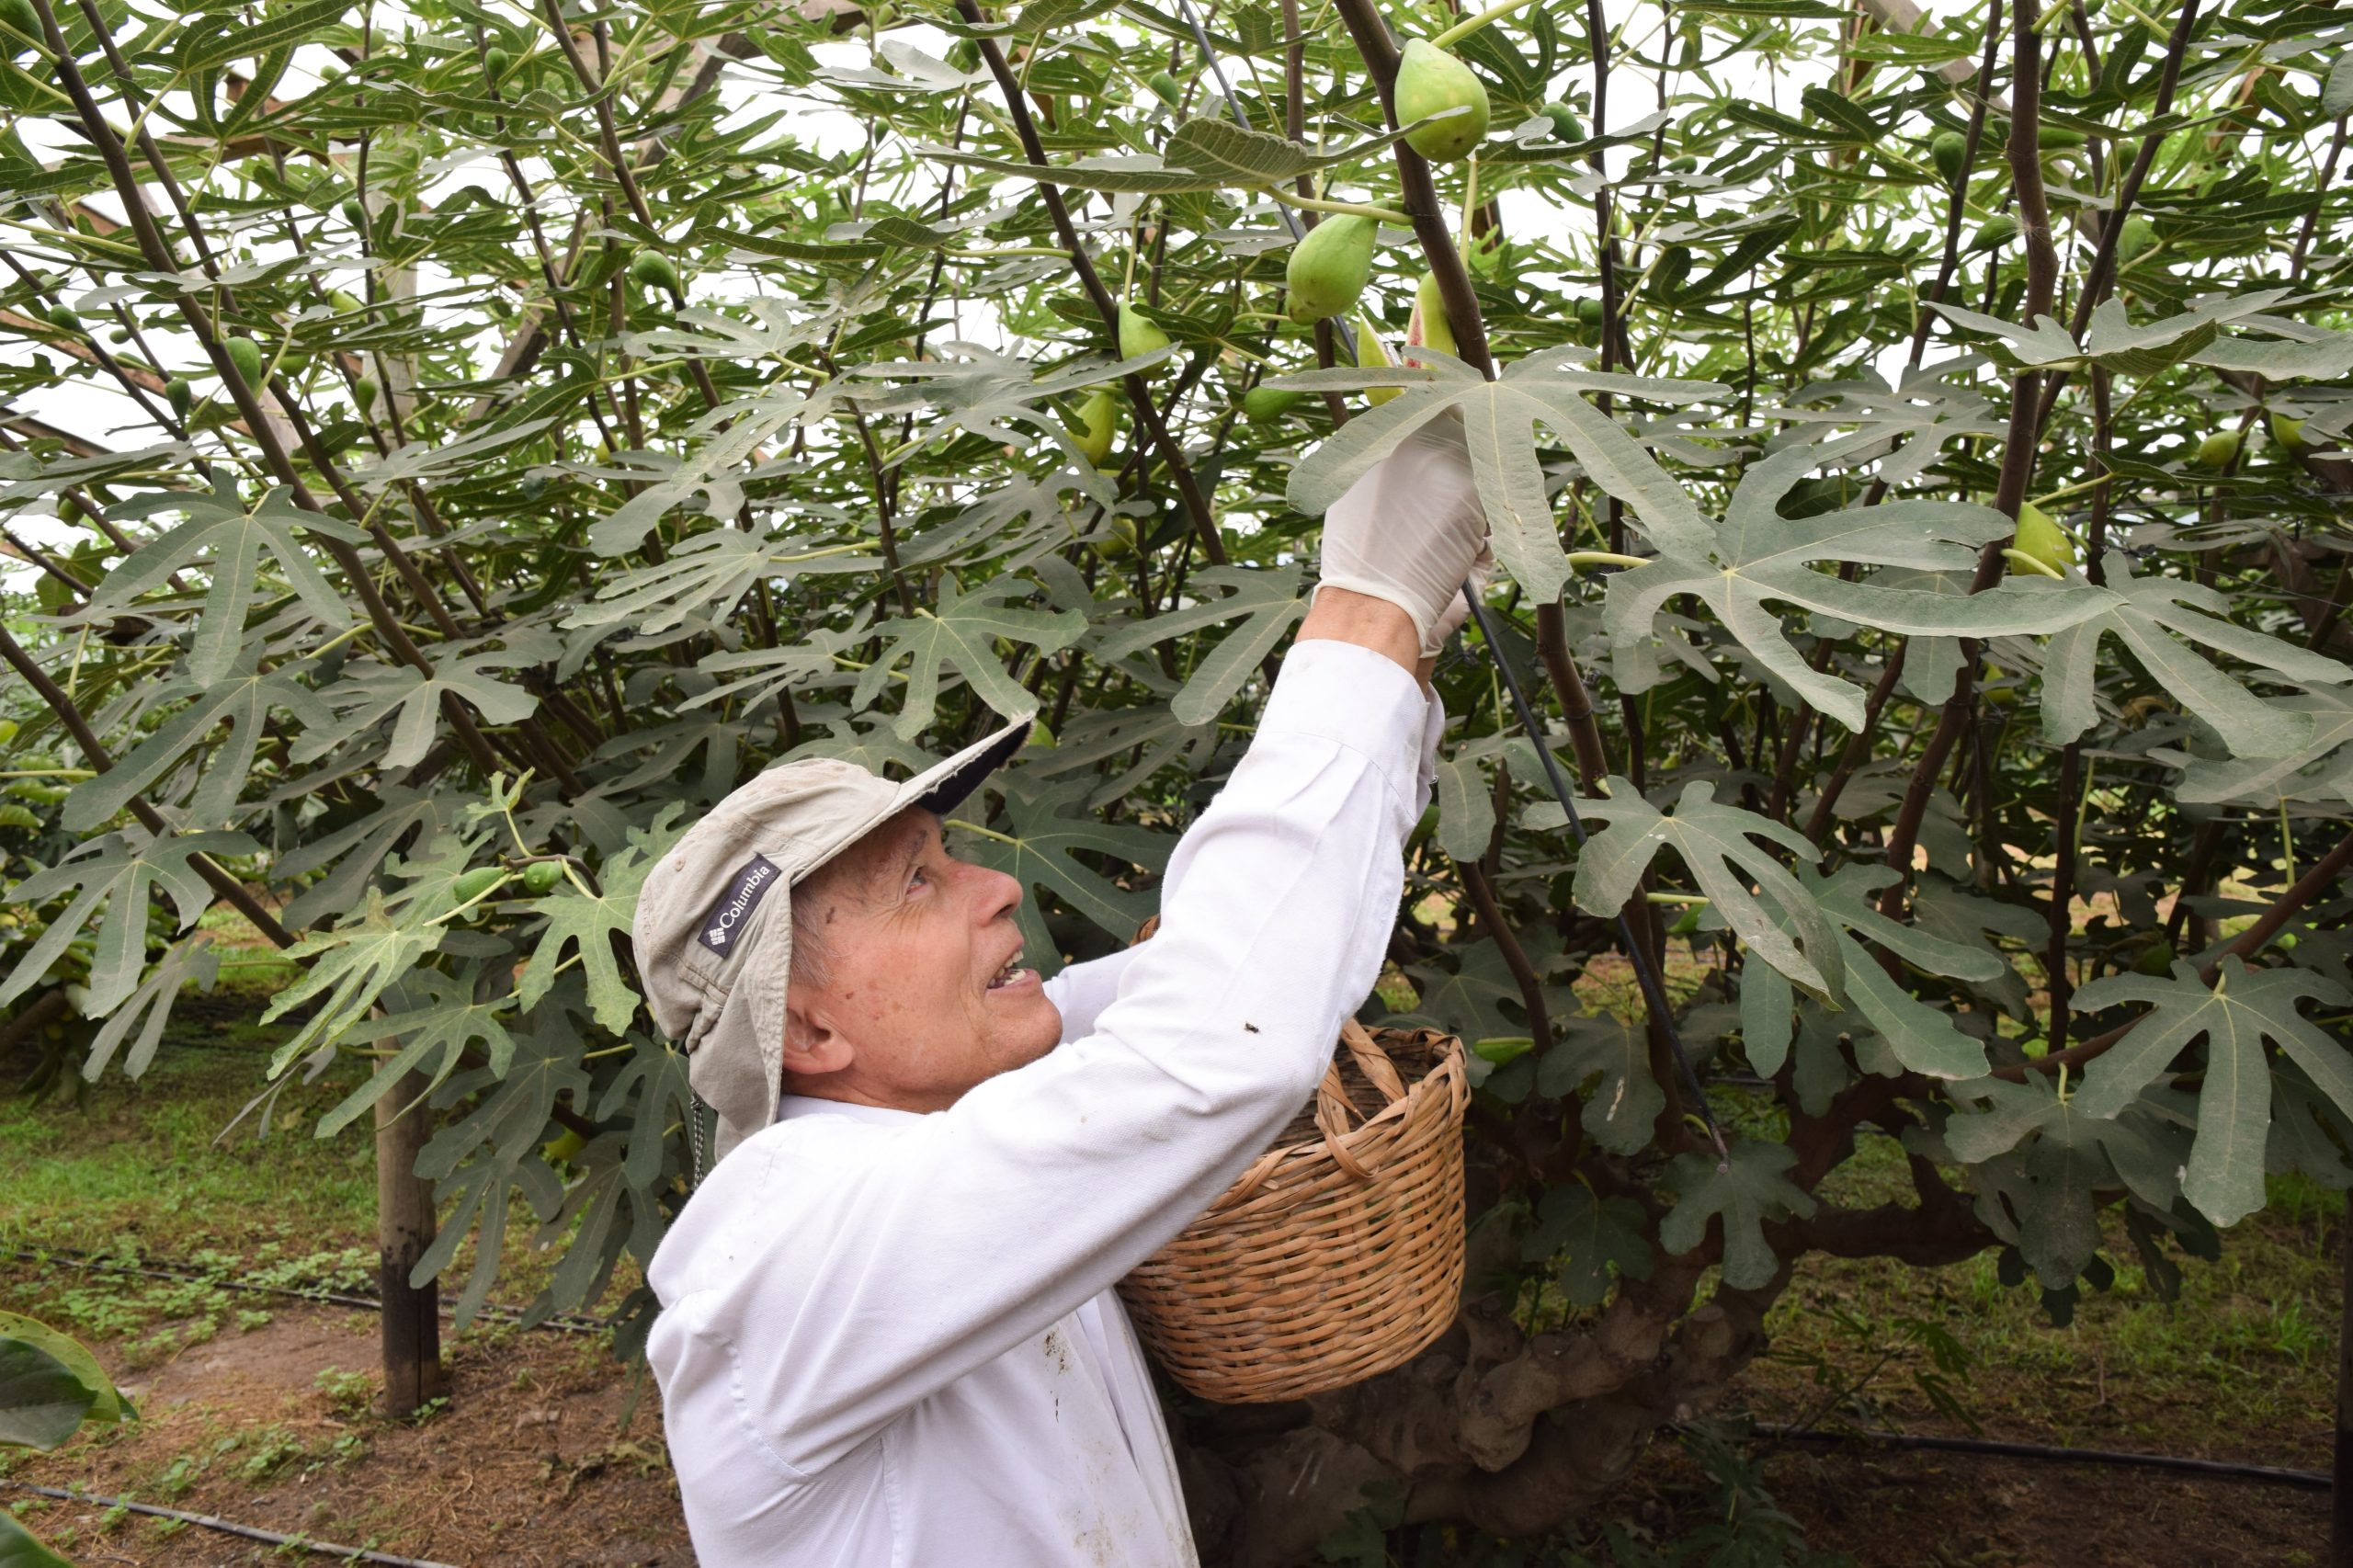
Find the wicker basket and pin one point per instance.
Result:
(1338, 1254)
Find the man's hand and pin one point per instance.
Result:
(1410, 533)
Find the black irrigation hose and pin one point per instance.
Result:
(69, 1257)
(213, 1522)
(2303, 1480)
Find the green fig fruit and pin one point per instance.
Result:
(2217, 448)
(246, 354)
(1373, 355)
(1993, 233)
(2155, 960)
(1327, 269)
(2040, 538)
(1588, 311)
(1139, 335)
(652, 269)
(1950, 151)
(1164, 87)
(560, 1149)
(182, 396)
(496, 63)
(344, 304)
(354, 213)
(1430, 81)
(964, 54)
(478, 882)
(1565, 125)
(364, 390)
(542, 876)
(1098, 427)
(2137, 238)
(1270, 403)
(1429, 327)
(2289, 433)
(2056, 139)
(1685, 164)
(65, 319)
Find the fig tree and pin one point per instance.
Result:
(1327, 269)
(2040, 538)
(1950, 151)
(1098, 427)
(1430, 81)
(18, 17)
(1139, 335)
(1270, 403)
(2217, 448)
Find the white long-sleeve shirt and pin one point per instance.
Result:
(889, 1340)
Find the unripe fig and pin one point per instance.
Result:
(344, 304)
(496, 63)
(246, 353)
(2156, 959)
(964, 54)
(364, 390)
(2137, 238)
(1685, 164)
(1588, 311)
(1270, 403)
(1993, 233)
(1328, 269)
(478, 882)
(542, 876)
(1429, 326)
(2056, 139)
(65, 319)
(2217, 448)
(1164, 87)
(652, 269)
(2289, 433)
(2040, 538)
(1373, 355)
(354, 213)
(182, 396)
(1430, 81)
(1098, 427)
(1565, 127)
(560, 1149)
(1139, 335)
(1950, 150)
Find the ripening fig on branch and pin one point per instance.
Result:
(1432, 81)
(2217, 448)
(1950, 150)
(1139, 336)
(2041, 539)
(1428, 327)
(1270, 403)
(1373, 355)
(1327, 269)
(1097, 428)
(652, 269)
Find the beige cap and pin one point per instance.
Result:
(714, 950)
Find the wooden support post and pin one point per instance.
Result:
(405, 1227)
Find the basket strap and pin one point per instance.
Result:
(1334, 1111)
(1373, 1060)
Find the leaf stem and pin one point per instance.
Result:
(1471, 24)
(1356, 208)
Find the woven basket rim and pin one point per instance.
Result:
(1363, 1138)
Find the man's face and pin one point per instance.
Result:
(920, 994)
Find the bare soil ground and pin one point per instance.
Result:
(278, 1427)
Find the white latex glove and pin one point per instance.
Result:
(1458, 609)
(1410, 530)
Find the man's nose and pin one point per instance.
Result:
(996, 895)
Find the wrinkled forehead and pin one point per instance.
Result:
(873, 868)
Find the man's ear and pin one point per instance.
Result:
(810, 1045)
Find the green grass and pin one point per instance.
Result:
(2241, 1364)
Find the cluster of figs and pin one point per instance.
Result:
(1447, 106)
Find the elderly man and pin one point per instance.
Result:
(889, 1338)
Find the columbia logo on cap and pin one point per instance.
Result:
(735, 905)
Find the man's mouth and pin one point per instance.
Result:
(1012, 973)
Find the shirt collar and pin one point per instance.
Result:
(790, 1107)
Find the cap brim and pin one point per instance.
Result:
(941, 788)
